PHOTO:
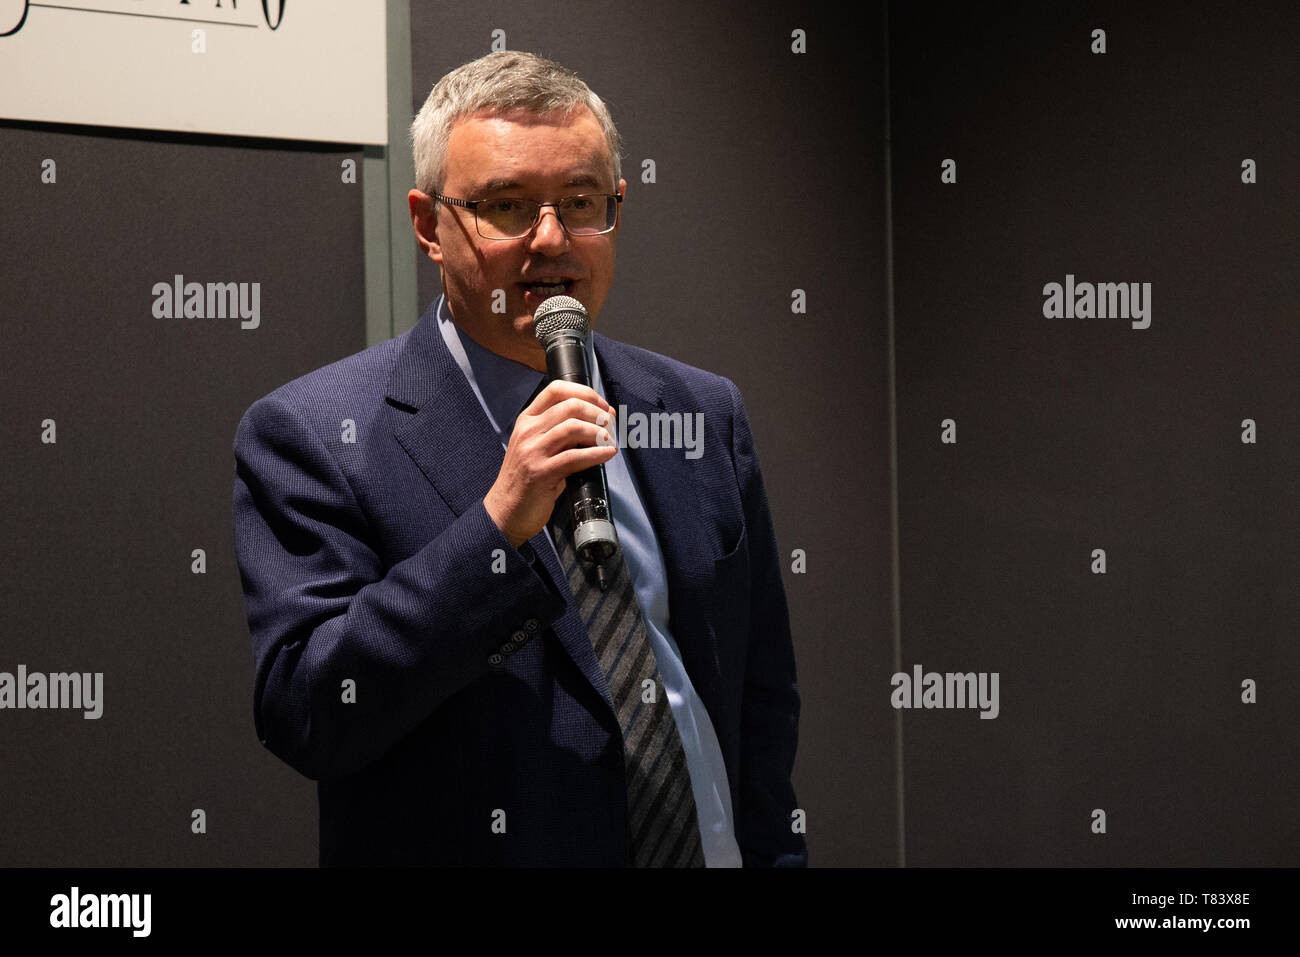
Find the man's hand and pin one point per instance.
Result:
(563, 430)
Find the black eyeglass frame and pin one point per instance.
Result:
(472, 204)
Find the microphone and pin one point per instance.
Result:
(561, 325)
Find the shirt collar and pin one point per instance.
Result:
(501, 385)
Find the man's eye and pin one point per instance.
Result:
(581, 203)
(502, 206)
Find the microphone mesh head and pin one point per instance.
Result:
(558, 314)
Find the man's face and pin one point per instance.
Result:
(539, 157)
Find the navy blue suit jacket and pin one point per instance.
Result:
(371, 561)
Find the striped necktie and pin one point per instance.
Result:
(663, 829)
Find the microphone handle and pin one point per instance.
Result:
(594, 536)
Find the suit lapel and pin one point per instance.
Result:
(447, 434)
(668, 489)
(449, 438)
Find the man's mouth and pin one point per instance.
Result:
(539, 291)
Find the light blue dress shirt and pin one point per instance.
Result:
(502, 385)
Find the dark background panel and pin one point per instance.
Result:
(1118, 691)
(99, 528)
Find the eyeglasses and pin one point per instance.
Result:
(510, 218)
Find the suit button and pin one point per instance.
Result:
(531, 625)
(519, 637)
(508, 647)
(496, 659)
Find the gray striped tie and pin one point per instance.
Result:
(663, 829)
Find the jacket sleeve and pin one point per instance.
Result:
(769, 728)
(324, 611)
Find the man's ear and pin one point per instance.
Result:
(425, 221)
(622, 191)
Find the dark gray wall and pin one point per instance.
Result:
(99, 527)
(1121, 691)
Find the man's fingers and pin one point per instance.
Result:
(575, 460)
(565, 429)
(574, 433)
(573, 410)
(558, 390)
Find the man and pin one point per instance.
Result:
(427, 644)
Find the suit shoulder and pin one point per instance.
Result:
(362, 372)
(351, 387)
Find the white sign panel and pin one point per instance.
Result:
(295, 69)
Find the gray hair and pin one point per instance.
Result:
(507, 80)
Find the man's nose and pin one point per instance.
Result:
(549, 234)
